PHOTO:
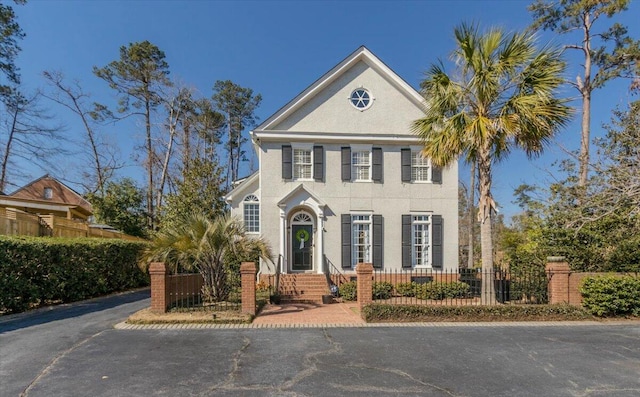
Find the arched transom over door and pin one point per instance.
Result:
(302, 241)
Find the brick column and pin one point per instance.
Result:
(365, 284)
(558, 272)
(159, 292)
(248, 285)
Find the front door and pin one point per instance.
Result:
(302, 247)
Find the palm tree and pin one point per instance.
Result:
(201, 243)
(502, 96)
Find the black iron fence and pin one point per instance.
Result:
(460, 287)
(185, 293)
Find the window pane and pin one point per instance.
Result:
(252, 217)
(361, 239)
(302, 164)
(419, 167)
(421, 240)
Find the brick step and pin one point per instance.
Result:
(316, 299)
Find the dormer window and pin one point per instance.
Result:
(48, 193)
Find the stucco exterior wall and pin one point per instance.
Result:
(391, 199)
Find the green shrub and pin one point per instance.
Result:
(378, 312)
(36, 270)
(406, 289)
(382, 290)
(349, 291)
(439, 291)
(611, 296)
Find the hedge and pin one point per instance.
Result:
(377, 312)
(41, 270)
(611, 295)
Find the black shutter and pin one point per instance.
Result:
(318, 163)
(346, 241)
(346, 164)
(286, 162)
(376, 161)
(436, 241)
(378, 238)
(406, 241)
(436, 174)
(405, 162)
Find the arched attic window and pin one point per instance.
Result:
(251, 211)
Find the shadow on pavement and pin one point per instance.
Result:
(69, 310)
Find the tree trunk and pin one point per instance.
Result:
(470, 206)
(485, 214)
(585, 90)
(7, 150)
(150, 208)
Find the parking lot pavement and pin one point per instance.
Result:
(566, 360)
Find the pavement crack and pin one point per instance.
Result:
(397, 372)
(310, 361)
(53, 362)
(235, 366)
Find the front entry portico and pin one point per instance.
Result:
(301, 232)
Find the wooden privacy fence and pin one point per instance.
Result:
(18, 223)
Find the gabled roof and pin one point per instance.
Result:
(298, 189)
(32, 191)
(241, 187)
(361, 54)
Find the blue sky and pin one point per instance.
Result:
(277, 48)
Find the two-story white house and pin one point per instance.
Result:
(341, 179)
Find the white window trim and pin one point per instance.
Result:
(371, 99)
(429, 180)
(244, 212)
(300, 146)
(362, 148)
(429, 258)
(353, 214)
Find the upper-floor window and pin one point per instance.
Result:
(251, 213)
(361, 165)
(302, 163)
(420, 167)
(417, 168)
(48, 193)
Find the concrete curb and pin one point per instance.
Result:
(125, 326)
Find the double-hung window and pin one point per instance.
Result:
(361, 165)
(302, 163)
(420, 167)
(251, 212)
(361, 239)
(421, 240)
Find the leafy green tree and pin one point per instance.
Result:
(122, 206)
(238, 105)
(617, 55)
(139, 77)
(501, 96)
(201, 187)
(201, 243)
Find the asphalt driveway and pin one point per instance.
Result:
(85, 356)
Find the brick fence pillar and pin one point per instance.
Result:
(248, 285)
(159, 290)
(365, 284)
(558, 272)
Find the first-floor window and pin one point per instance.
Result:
(251, 214)
(361, 239)
(421, 240)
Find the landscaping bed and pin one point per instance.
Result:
(145, 316)
(377, 312)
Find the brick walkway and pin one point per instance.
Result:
(304, 313)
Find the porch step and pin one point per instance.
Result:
(303, 288)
